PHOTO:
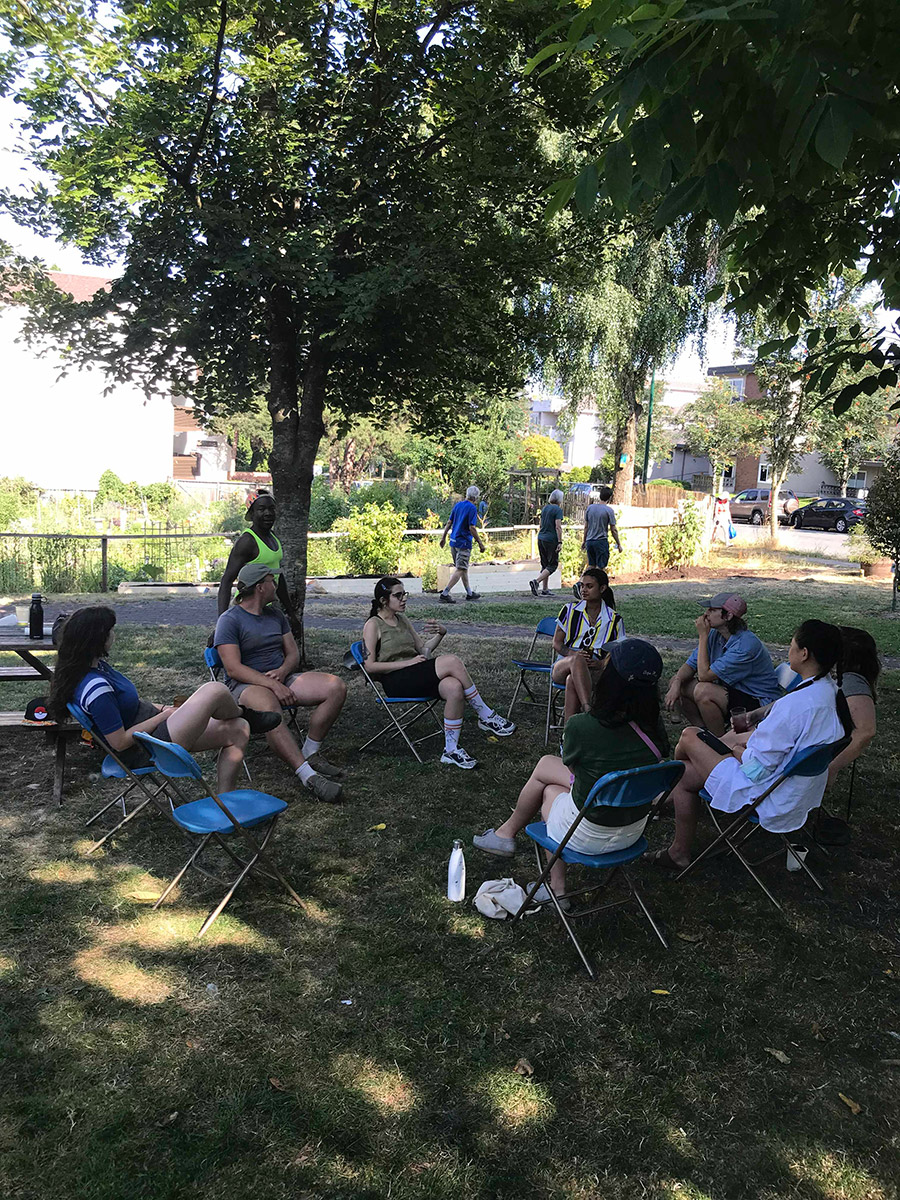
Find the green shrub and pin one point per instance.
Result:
(422, 557)
(373, 545)
(326, 505)
(16, 497)
(678, 543)
(426, 507)
(381, 491)
(671, 483)
(576, 475)
(325, 556)
(572, 559)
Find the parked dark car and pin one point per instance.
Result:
(752, 504)
(838, 514)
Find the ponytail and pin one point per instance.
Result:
(825, 644)
(606, 592)
(382, 591)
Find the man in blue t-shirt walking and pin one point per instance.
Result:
(463, 529)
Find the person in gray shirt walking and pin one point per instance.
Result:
(599, 523)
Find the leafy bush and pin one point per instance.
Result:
(16, 496)
(671, 483)
(536, 450)
(576, 475)
(325, 556)
(381, 491)
(426, 507)
(678, 543)
(373, 545)
(861, 549)
(572, 559)
(326, 505)
(422, 557)
(158, 497)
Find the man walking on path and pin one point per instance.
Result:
(463, 528)
(599, 523)
(549, 541)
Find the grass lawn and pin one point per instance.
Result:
(124, 1075)
(669, 608)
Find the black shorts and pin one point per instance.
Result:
(418, 680)
(549, 552)
(739, 699)
(138, 755)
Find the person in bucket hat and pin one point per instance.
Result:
(729, 669)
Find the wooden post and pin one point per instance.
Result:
(104, 564)
(533, 543)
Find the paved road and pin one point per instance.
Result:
(809, 541)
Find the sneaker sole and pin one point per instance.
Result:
(496, 853)
(451, 762)
(497, 732)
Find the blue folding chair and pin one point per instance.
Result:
(139, 779)
(213, 818)
(642, 790)
(529, 665)
(812, 761)
(416, 707)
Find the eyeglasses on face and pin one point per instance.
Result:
(399, 595)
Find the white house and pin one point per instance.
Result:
(62, 431)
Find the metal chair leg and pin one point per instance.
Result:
(177, 879)
(644, 909)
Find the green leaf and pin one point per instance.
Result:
(845, 398)
(793, 322)
(645, 12)
(887, 378)
(677, 201)
(804, 133)
(586, 188)
(831, 333)
(870, 385)
(722, 195)
(647, 141)
(768, 348)
(714, 294)
(828, 376)
(617, 170)
(814, 338)
(564, 192)
(620, 37)
(544, 53)
(854, 331)
(833, 135)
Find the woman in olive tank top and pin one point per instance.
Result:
(402, 663)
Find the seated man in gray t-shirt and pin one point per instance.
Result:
(260, 658)
(599, 523)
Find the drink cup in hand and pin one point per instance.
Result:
(740, 720)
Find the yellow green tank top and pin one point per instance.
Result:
(266, 555)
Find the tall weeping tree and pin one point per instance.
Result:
(630, 306)
(329, 204)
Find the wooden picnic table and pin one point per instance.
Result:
(14, 639)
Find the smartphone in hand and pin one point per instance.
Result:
(710, 739)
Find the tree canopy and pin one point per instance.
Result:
(329, 205)
(778, 119)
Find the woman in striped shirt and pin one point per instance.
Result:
(582, 629)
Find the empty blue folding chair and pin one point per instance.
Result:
(809, 763)
(642, 790)
(415, 708)
(529, 665)
(215, 817)
(145, 780)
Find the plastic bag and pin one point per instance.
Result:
(732, 532)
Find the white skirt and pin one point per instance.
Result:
(589, 838)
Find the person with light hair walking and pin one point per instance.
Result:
(463, 529)
(549, 540)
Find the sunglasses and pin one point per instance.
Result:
(399, 595)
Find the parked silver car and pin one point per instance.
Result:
(752, 505)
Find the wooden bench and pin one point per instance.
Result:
(57, 735)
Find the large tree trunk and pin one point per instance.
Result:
(296, 433)
(626, 441)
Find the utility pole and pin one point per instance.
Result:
(649, 424)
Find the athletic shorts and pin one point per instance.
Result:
(597, 552)
(461, 557)
(739, 699)
(418, 680)
(237, 689)
(549, 552)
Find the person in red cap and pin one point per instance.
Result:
(730, 669)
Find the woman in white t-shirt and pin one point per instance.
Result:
(815, 713)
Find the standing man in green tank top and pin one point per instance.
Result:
(258, 545)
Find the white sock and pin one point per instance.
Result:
(310, 747)
(482, 709)
(305, 772)
(452, 730)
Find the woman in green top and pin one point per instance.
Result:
(621, 731)
(258, 545)
(402, 662)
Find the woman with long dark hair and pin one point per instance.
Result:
(862, 667)
(403, 663)
(210, 719)
(622, 730)
(813, 714)
(582, 628)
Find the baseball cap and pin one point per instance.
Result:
(36, 712)
(252, 574)
(636, 661)
(730, 601)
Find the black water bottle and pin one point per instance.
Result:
(36, 617)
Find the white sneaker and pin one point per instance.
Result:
(498, 725)
(542, 896)
(458, 758)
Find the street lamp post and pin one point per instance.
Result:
(649, 424)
